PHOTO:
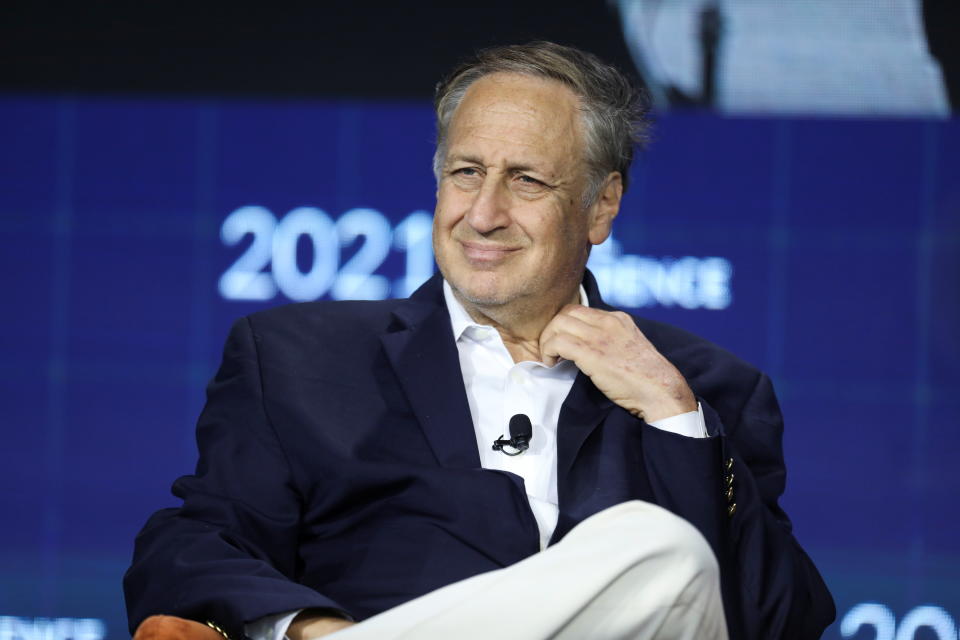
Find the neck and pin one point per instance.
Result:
(518, 324)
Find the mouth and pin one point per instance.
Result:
(486, 253)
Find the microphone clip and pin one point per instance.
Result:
(518, 446)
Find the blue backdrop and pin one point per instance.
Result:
(134, 231)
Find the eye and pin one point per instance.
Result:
(528, 185)
(466, 177)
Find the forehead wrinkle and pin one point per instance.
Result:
(531, 147)
(521, 121)
(549, 124)
(526, 101)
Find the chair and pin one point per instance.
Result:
(174, 628)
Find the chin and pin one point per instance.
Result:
(485, 299)
(483, 290)
(483, 296)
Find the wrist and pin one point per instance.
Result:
(316, 623)
(682, 402)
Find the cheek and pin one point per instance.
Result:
(555, 231)
(442, 219)
(447, 212)
(537, 223)
(445, 220)
(440, 235)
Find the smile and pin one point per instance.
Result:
(476, 252)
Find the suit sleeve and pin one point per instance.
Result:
(728, 485)
(228, 555)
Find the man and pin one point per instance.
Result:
(346, 471)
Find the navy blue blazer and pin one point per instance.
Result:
(339, 468)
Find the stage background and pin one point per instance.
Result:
(136, 226)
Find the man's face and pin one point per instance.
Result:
(510, 226)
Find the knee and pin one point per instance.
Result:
(649, 531)
(687, 548)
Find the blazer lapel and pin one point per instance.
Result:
(422, 351)
(585, 406)
(582, 412)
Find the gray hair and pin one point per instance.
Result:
(614, 113)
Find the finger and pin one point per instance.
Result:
(607, 321)
(567, 323)
(568, 347)
(558, 327)
(596, 317)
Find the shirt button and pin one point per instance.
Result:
(517, 376)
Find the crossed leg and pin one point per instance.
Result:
(632, 571)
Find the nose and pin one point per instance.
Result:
(490, 209)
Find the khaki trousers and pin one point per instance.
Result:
(631, 571)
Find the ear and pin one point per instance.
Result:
(605, 209)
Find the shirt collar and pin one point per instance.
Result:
(460, 320)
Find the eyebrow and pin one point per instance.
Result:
(462, 158)
(476, 160)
